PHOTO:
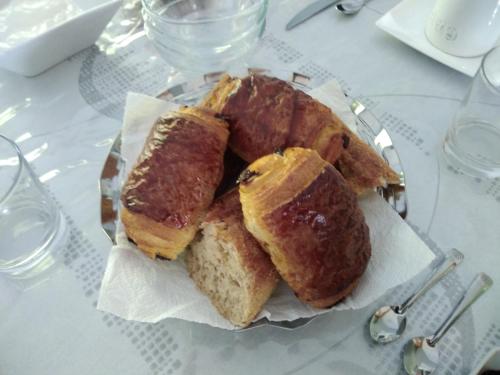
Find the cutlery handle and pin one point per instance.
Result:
(478, 286)
(452, 259)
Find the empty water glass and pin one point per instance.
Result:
(204, 35)
(32, 227)
(473, 141)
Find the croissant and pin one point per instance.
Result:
(266, 114)
(173, 182)
(229, 265)
(304, 214)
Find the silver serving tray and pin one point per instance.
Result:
(190, 93)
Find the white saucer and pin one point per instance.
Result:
(406, 21)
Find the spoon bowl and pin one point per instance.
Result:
(387, 324)
(350, 7)
(420, 357)
(421, 354)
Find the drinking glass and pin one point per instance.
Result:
(204, 35)
(473, 141)
(32, 228)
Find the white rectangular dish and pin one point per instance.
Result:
(37, 35)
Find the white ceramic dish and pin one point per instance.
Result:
(463, 27)
(36, 54)
(406, 22)
(490, 362)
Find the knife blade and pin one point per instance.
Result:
(310, 11)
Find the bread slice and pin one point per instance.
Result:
(228, 264)
(174, 180)
(305, 216)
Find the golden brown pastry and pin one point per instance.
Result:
(259, 112)
(266, 114)
(303, 213)
(315, 126)
(173, 182)
(361, 166)
(229, 265)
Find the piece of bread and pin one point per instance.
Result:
(229, 265)
(303, 213)
(173, 182)
(265, 114)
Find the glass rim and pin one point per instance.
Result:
(255, 7)
(19, 169)
(492, 86)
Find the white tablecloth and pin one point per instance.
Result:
(65, 121)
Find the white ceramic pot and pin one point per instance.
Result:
(464, 28)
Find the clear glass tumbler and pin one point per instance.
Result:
(204, 35)
(473, 141)
(32, 227)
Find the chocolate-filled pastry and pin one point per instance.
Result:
(259, 110)
(361, 166)
(229, 265)
(304, 214)
(173, 182)
(266, 114)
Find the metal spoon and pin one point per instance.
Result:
(389, 322)
(350, 7)
(420, 354)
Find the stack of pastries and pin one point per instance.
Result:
(294, 214)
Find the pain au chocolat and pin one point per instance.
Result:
(266, 114)
(304, 214)
(173, 182)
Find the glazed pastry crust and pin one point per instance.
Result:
(266, 114)
(362, 168)
(173, 182)
(304, 214)
(259, 113)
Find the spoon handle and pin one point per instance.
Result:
(452, 259)
(478, 286)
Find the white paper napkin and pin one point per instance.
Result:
(135, 287)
